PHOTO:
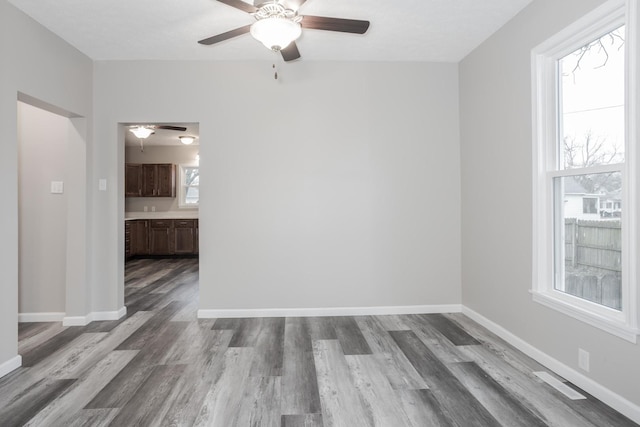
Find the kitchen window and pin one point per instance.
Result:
(189, 192)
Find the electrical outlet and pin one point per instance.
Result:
(146, 208)
(57, 187)
(153, 208)
(583, 359)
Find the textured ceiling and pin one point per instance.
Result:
(410, 30)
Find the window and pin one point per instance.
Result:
(189, 192)
(583, 161)
(589, 205)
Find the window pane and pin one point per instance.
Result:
(588, 238)
(192, 195)
(191, 175)
(589, 205)
(592, 109)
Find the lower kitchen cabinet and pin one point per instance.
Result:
(161, 237)
(138, 237)
(184, 233)
(160, 242)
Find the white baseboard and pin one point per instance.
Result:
(10, 365)
(333, 311)
(40, 317)
(94, 316)
(109, 315)
(602, 393)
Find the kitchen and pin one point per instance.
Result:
(161, 190)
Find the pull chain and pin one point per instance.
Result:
(275, 72)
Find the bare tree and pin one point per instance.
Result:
(592, 151)
(601, 46)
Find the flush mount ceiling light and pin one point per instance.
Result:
(276, 27)
(187, 140)
(141, 132)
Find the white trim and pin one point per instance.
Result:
(109, 315)
(329, 311)
(76, 320)
(40, 317)
(10, 365)
(614, 167)
(93, 317)
(620, 329)
(181, 186)
(602, 393)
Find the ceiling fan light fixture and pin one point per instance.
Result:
(276, 32)
(141, 132)
(187, 140)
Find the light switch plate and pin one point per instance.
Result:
(102, 184)
(57, 187)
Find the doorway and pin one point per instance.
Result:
(161, 203)
(51, 215)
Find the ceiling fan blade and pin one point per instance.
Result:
(239, 4)
(179, 128)
(225, 36)
(335, 24)
(290, 52)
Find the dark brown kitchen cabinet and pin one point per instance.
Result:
(160, 241)
(132, 180)
(150, 180)
(127, 239)
(184, 236)
(136, 237)
(197, 248)
(161, 237)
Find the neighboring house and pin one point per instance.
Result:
(611, 205)
(578, 202)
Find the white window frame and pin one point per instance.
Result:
(545, 93)
(181, 186)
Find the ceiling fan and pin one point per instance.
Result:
(278, 25)
(143, 132)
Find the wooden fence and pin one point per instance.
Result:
(596, 244)
(593, 257)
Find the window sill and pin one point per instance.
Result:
(611, 326)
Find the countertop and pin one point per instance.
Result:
(161, 215)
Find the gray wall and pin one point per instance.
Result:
(39, 64)
(42, 141)
(337, 185)
(496, 155)
(178, 154)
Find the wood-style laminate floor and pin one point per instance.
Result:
(160, 366)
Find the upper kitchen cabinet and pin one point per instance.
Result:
(150, 180)
(158, 180)
(132, 180)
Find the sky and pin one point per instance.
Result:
(593, 94)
